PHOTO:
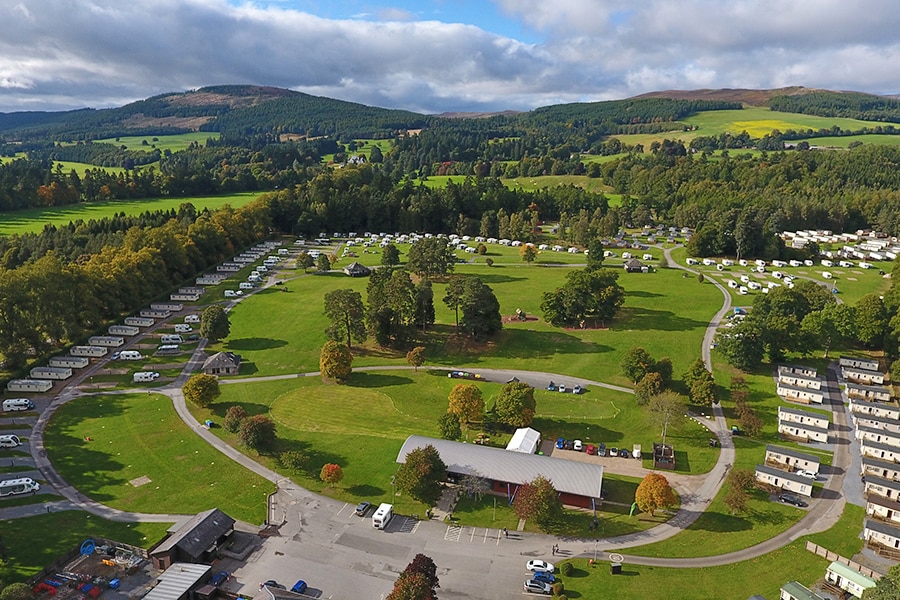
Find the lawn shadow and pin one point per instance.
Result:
(368, 379)
(645, 319)
(721, 523)
(642, 294)
(365, 490)
(315, 459)
(496, 279)
(252, 408)
(255, 344)
(249, 368)
(522, 343)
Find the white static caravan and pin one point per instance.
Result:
(109, 341)
(58, 373)
(38, 386)
(858, 362)
(784, 480)
(874, 393)
(792, 415)
(791, 458)
(128, 330)
(799, 381)
(862, 376)
(878, 436)
(799, 394)
(154, 314)
(184, 297)
(880, 468)
(886, 488)
(228, 268)
(879, 451)
(73, 362)
(89, 351)
(802, 370)
(802, 432)
(170, 306)
(208, 280)
(877, 409)
(140, 321)
(199, 291)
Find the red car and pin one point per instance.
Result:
(590, 449)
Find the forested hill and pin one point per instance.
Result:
(852, 105)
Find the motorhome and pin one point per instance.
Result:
(10, 441)
(192, 318)
(183, 328)
(383, 516)
(19, 486)
(143, 376)
(17, 404)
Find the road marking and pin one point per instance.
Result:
(342, 508)
(484, 541)
(452, 533)
(472, 535)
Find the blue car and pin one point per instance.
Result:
(545, 577)
(219, 578)
(299, 587)
(560, 443)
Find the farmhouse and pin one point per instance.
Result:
(873, 422)
(879, 436)
(864, 407)
(800, 394)
(177, 582)
(578, 483)
(862, 376)
(784, 480)
(848, 579)
(793, 415)
(788, 457)
(222, 363)
(793, 590)
(803, 433)
(195, 540)
(879, 451)
(883, 509)
(29, 385)
(886, 488)
(526, 440)
(857, 362)
(355, 269)
(868, 392)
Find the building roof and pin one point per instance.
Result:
(569, 476)
(524, 440)
(883, 482)
(803, 426)
(355, 268)
(221, 360)
(859, 371)
(867, 388)
(797, 388)
(802, 413)
(880, 464)
(176, 581)
(793, 453)
(198, 533)
(783, 474)
(633, 263)
(853, 575)
(879, 405)
(859, 358)
(800, 591)
(885, 502)
(791, 367)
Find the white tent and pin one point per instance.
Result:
(525, 440)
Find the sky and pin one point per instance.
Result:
(434, 56)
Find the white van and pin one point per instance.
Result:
(172, 339)
(183, 328)
(9, 441)
(13, 404)
(18, 486)
(130, 355)
(192, 318)
(142, 376)
(262, 269)
(382, 516)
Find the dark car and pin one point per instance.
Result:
(362, 508)
(601, 449)
(624, 453)
(545, 577)
(299, 587)
(792, 499)
(560, 443)
(613, 451)
(193, 337)
(219, 578)
(551, 387)
(570, 445)
(272, 584)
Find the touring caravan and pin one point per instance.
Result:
(130, 355)
(172, 339)
(143, 376)
(10, 441)
(18, 486)
(382, 516)
(17, 404)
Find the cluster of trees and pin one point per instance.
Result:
(650, 376)
(513, 407)
(700, 383)
(748, 421)
(851, 105)
(257, 432)
(590, 296)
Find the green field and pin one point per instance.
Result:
(845, 141)
(33, 220)
(173, 143)
(531, 184)
(104, 445)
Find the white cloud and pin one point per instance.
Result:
(104, 52)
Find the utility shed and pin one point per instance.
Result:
(195, 540)
(525, 440)
(177, 581)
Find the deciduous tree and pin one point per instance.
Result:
(331, 474)
(214, 323)
(666, 409)
(390, 256)
(538, 500)
(430, 258)
(347, 314)
(233, 417)
(449, 427)
(418, 581)
(323, 265)
(871, 320)
(257, 432)
(466, 401)
(421, 475)
(515, 405)
(654, 493)
(527, 253)
(201, 389)
(646, 388)
(416, 357)
(335, 361)
(587, 296)
(739, 481)
(636, 363)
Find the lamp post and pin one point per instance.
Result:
(393, 492)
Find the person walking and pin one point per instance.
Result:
(505, 533)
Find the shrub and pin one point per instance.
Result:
(565, 569)
(233, 417)
(294, 460)
(557, 587)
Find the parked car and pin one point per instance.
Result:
(807, 474)
(560, 443)
(624, 453)
(590, 449)
(551, 387)
(791, 499)
(219, 578)
(362, 508)
(601, 449)
(272, 584)
(570, 445)
(193, 337)
(299, 587)
(539, 565)
(545, 577)
(114, 356)
(577, 446)
(463, 375)
(561, 388)
(613, 451)
(577, 389)
(537, 587)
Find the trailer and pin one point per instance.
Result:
(154, 314)
(199, 291)
(140, 321)
(123, 330)
(90, 351)
(227, 269)
(51, 373)
(73, 362)
(170, 306)
(109, 341)
(38, 386)
(208, 280)
(184, 297)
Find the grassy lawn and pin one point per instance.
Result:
(533, 183)
(845, 140)
(764, 575)
(35, 542)
(100, 444)
(34, 219)
(175, 142)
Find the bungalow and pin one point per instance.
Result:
(801, 370)
(803, 433)
(784, 480)
(868, 392)
(799, 381)
(793, 415)
(886, 488)
(879, 468)
(793, 590)
(879, 451)
(883, 509)
(879, 436)
(864, 407)
(858, 362)
(222, 363)
(862, 376)
(788, 457)
(873, 422)
(799, 394)
(881, 536)
(848, 579)
(355, 269)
